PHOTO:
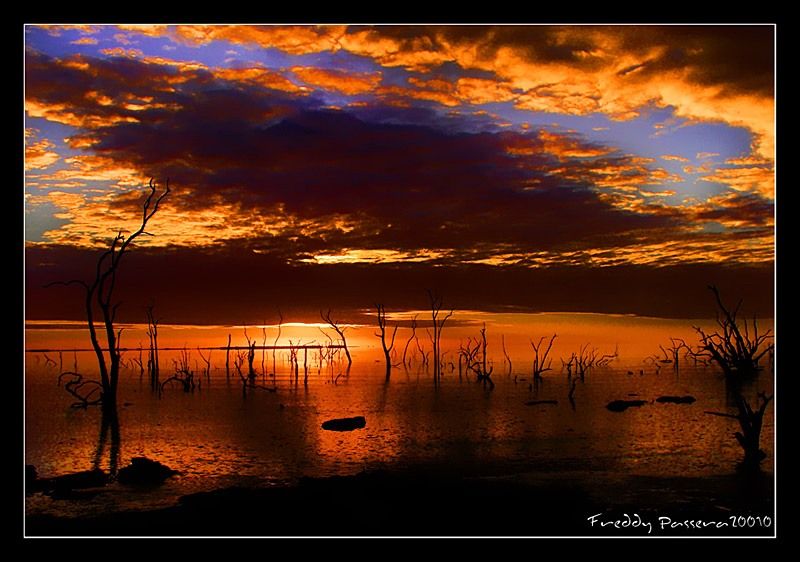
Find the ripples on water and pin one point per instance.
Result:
(216, 437)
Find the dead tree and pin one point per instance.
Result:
(733, 347)
(413, 335)
(264, 350)
(138, 361)
(207, 361)
(436, 337)
(505, 353)
(474, 358)
(251, 355)
(571, 394)
(339, 330)
(587, 358)
(228, 359)
(382, 335)
(100, 294)
(183, 374)
(750, 422)
(421, 349)
(275, 344)
(152, 353)
(541, 364)
(293, 363)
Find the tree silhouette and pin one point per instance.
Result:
(339, 330)
(737, 348)
(436, 337)
(100, 294)
(387, 350)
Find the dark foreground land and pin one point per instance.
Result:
(421, 503)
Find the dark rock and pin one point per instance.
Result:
(31, 484)
(622, 405)
(144, 472)
(345, 424)
(77, 480)
(537, 402)
(632, 394)
(676, 399)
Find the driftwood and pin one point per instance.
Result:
(87, 393)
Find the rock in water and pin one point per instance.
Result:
(144, 472)
(676, 399)
(537, 402)
(345, 424)
(622, 405)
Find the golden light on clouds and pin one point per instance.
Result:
(374, 256)
(62, 113)
(240, 172)
(291, 39)
(38, 153)
(611, 77)
(348, 83)
(753, 179)
(258, 76)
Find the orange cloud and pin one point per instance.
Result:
(607, 70)
(122, 52)
(291, 39)
(38, 154)
(62, 113)
(93, 221)
(564, 147)
(481, 90)
(85, 167)
(84, 41)
(259, 76)
(347, 83)
(398, 95)
(673, 157)
(752, 179)
(56, 30)
(145, 29)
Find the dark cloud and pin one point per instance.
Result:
(739, 57)
(402, 186)
(236, 286)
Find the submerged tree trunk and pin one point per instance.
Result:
(101, 292)
(387, 350)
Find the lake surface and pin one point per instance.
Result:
(217, 437)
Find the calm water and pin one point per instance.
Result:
(216, 437)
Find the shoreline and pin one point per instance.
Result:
(420, 502)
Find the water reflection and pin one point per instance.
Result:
(109, 427)
(218, 435)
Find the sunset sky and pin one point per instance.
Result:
(545, 168)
